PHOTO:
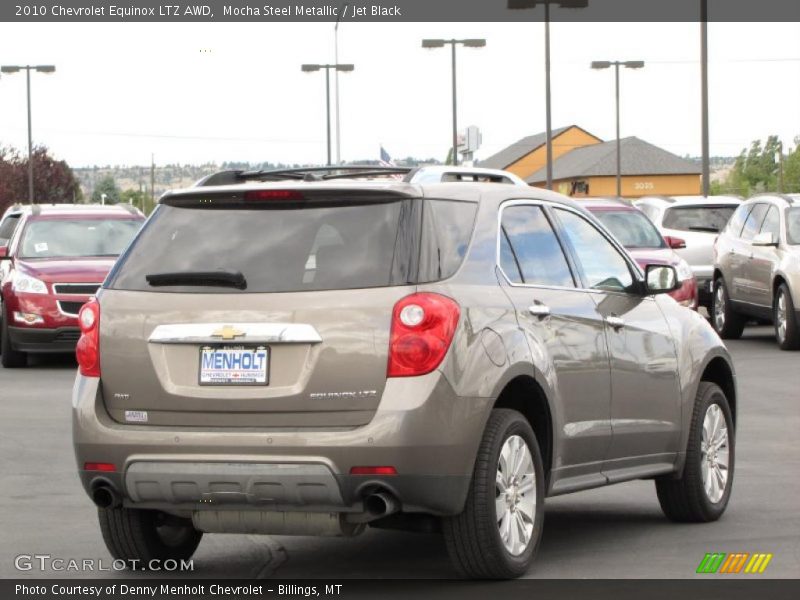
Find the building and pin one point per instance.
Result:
(586, 166)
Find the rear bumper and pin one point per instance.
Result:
(421, 428)
(39, 340)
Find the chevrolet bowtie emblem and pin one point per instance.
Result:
(228, 333)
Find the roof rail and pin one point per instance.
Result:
(780, 195)
(232, 177)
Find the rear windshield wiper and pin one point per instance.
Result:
(233, 279)
(704, 228)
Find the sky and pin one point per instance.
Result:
(192, 93)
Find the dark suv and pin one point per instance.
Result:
(55, 260)
(299, 353)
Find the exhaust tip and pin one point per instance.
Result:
(105, 497)
(380, 504)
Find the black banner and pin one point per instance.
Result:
(710, 588)
(396, 10)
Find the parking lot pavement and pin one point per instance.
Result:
(617, 531)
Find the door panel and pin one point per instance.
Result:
(763, 261)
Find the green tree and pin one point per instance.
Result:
(139, 198)
(755, 170)
(106, 186)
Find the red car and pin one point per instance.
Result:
(56, 259)
(645, 243)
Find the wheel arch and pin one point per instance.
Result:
(524, 394)
(719, 371)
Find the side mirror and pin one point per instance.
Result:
(661, 279)
(675, 243)
(765, 238)
(3, 252)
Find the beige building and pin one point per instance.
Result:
(585, 166)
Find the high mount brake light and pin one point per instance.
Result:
(261, 195)
(423, 326)
(88, 349)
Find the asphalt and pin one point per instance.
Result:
(613, 532)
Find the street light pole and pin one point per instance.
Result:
(519, 4)
(28, 69)
(309, 68)
(628, 64)
(336, 82)
(469, 43)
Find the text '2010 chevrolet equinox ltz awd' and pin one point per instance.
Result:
(296, 357)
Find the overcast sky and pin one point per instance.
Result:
(192, 93)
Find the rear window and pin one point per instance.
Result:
(291, 249)
(631, 227)
(698, 218)
(71, 238)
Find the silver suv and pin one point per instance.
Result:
(757, 269)
(313, 357)
(690, 225)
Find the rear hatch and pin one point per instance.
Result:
(698, 226)
(270, 311)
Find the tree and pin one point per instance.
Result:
(53, 180)
(755, 170)
(139, 198)
(106, 186)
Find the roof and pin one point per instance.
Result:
(689, 200)
(520, 148)
(607, 204)
(598, 160)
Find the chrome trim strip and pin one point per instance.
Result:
(265, 333)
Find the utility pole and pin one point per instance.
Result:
(153, 178)
(704, 94)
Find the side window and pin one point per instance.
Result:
(534, 251)
(734, 226)
(605, 268)
(8, 227)
(648, 210)
(753, 222)
(772, 223)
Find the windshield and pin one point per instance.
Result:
(698, 218)
(793, 225)
(69, 238)
(632, 228)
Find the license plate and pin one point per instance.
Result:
(234, 365)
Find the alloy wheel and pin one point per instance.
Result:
(715, 453)
(780, 317)
(515, 495)
(719, 307)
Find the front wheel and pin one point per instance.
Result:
(140, 537)
(9, 358)
(787, 329)
(701, 494)
(498, 533)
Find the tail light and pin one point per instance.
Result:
(423, 326)
(88, 350)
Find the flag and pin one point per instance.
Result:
(386, 160)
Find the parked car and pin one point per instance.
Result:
(645, 244)
(309, 357)
(449, 173)
(56, 260)
(8, 223)
(757, 269)
(696, 221)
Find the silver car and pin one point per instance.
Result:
(757, 269)
(690, 224)
(281, 353)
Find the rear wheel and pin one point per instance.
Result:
(787, 330)
(498, 533)
(702, 492)
(140, 536)
(10, 359)
(726, 321)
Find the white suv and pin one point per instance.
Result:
(690, 224)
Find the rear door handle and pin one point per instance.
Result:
(615, 322)
(539, 310)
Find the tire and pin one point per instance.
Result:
(473, 537)
(139, 536)
(726, 322)
(687, 500)
(10, 359)
(787, 329)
